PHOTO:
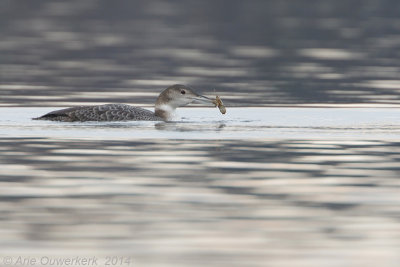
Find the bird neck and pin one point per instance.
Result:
(164, 111)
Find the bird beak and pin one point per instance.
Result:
(200, 99)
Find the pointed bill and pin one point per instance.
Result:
(200, 99)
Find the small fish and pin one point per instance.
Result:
(218, 103)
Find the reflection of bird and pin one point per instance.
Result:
(174, 96)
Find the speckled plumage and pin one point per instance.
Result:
(108, 112)
(175, 96)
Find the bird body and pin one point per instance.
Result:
(174, 96)
(107, 112)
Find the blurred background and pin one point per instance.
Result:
(253, 53)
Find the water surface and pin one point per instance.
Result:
(270, 183)
(208, 123)
(253, 53)
(257, 187)
(196, 202)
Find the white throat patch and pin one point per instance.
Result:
(170, 111)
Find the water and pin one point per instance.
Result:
(253, 53)
(208, 123)
(254, 187)
(191, 202)
(303, 170)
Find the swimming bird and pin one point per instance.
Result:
(175, 96)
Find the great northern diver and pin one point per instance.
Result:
(177, 95)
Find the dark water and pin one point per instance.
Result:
(251, 52)
(203, 202)
(255, 187)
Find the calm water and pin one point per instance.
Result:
(208, 123)
(253, 53)
(257, 187)
(271, 183)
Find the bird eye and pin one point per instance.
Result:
(183, 92)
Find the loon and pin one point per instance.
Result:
(175, 96)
